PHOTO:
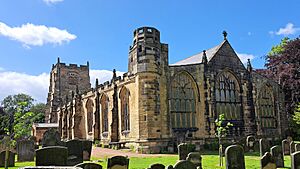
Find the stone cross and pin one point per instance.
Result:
(295, 160)
(277, 154)
(234, 157)
(267, 161)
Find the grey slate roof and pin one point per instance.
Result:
(195, 59)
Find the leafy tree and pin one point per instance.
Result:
(283, 66)
(38, 110)
(296, 120)
(221, 132)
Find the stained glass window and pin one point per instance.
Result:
(89, 109)
(266, 108)
(125, 113)
(104, 112)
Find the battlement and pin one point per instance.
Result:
(145, 34)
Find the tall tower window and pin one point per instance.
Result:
(125, 112)
(104, 112)
(183, 102)
(227, 96)
(266, 115)
(89, 110)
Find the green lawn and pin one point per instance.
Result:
(209, 161)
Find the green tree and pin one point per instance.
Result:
(221, 132)
(38, 110)
(296, 121)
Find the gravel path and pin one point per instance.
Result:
(99, 152)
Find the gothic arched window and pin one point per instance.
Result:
(183, 102)
(228, 100)
(266, 114)
(104, 112)
(89, 110)
(125, 112)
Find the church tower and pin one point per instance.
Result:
(63, 80)
(148, 61)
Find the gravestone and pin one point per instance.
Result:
(184, 149)
(195, 158)
(295, 160)
(170, 167)
(157, 166)
(250, 141)
(118, 162)
(52, 155)
(277, 154)
(75, 152)
(11, 159)
(234, 157)
(297, 147)
(25, 150)
(51, 137)
(264, 146)
(87, 149)
(89, 166)
(285, 147)
(267, 161)
(184, 164)
(292, 147)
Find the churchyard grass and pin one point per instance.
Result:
(210, 160)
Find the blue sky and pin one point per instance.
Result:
(33, 33)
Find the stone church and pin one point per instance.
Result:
(156, 105)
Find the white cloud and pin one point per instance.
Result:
(14, 83)
(244, 57)
(36, 35)
(289, 29)
(52, 1)
(37, 85)
(102, 75)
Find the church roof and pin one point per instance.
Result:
(195, 59)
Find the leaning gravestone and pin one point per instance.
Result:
(51, 156)
(75, 152)
(157, 166)
(184, 149)
(292, 147)
(11, 159)
(195, 158)
(264, 146)
(118, 162)
(285, 147)
(51, 137)
(25, 150)
(184, 164)
(277, 154)
(89, 166)
(250, 141)
(295, 160)
(267, 161)
(234, 157)
(87, 149)
(297, 147)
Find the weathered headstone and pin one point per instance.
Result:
(157, 166)
(195, 158)
(170, 167)
(87, 149)
(267, 161)
(292, 147)
(25, 150)
(118, 162)
(184, 149)
(11, 159)
(250, 141)
(277, 154)
(52, 155)
(285, 147)
(297, 147)
(295, 160)
(89, 166)
(264, 146)
(75, 152)
(234, 157)
(51, 137)
(184, 164)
